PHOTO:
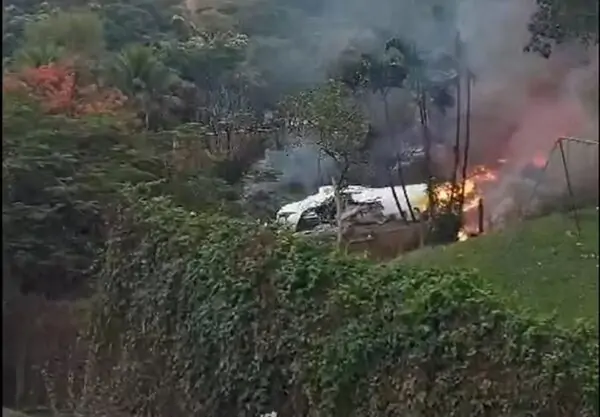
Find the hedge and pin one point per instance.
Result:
(211, 316)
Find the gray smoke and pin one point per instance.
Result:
(303, 166)
(521, 102)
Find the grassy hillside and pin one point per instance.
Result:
(543, 264)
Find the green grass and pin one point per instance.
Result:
(542, 265)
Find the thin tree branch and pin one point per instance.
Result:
(465, 166)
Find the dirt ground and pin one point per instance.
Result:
(386, 241)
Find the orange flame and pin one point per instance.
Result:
(479, 176)
(474, 184)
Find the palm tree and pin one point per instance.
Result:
(37, 56)
(402, 66)
(430, 80)
(140, 75)
(379, 75)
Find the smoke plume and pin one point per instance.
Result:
(521, 102)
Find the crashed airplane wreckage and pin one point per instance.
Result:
(363, 205)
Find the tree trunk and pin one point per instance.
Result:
(467, 144)
(228, 141)
(395, 196)
(339, 207)
(408, 202)
(73, 93)
(146, 110)
(20, 372)
(456, 147)
(423, 118)
(389, 133)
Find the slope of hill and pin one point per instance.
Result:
(10, 413)
(542, 265)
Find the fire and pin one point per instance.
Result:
(476, 181)
(539, 161)
(479, 176)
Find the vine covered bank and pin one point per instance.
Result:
(204, 315)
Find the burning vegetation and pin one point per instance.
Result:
(369, 211)
(477, 168)
(455, 182)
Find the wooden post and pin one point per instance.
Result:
(480, 216)
(573, 207)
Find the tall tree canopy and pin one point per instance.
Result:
(559, 21)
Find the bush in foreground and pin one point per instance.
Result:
(209, 316)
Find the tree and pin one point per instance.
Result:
(215, 65)
(61, 181)
(559, 21)
(433, 82)
(140, 75)
(430, 79)
(15, 18)
(59, 174)
(55, 87)
(220, 16)
(138, 21)
(77, 35)
(38, 56)
(216, 93)
(380, 74)
(329, 116)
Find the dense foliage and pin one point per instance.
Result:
(55, 89)
(211, 316)
(559, 21)
(60, 177)
(53, 183)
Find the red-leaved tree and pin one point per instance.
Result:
(56, 87)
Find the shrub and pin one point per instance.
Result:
(209, 316)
